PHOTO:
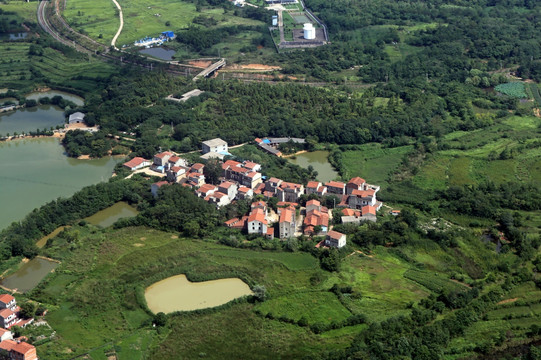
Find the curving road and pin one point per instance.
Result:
(113, 42)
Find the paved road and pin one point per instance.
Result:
(113, 42)
(281, 26)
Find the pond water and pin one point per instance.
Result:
(109, 216)
(36, 171)
(77, 100)
(177, 293)
(31, 119)
(14, 36)
(29, 275)
(320, 163)
(160, 53)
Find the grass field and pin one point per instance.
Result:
(141, 18)
(373, 163)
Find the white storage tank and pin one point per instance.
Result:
(309, 31)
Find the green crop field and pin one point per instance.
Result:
(141, 18)
(514, 89)
(373, 163)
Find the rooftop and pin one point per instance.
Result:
(286, 216)
(136, 161)
(334, 234)
(215, 142)
(257, 215)
(163, 154)
(336, 184)
(357, 181)
(6, 298)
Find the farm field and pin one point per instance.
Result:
(19, 69)
(476, 156)
(141, 18)
(116, 265)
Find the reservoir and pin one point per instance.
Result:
(30, 119)
(77, 100)
(109, 216)
(29, 275)
(320, 163)
(159, 53)
(177, 293)
(36, 171)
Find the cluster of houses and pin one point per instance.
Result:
(13, 349)
(242, 180)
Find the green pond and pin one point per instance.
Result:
(109, 216)
(36, 171)
(29, 275)
(177, 293)
(320, 163)
(77, 100)
(30, 119)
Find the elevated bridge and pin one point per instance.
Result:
(212, 68)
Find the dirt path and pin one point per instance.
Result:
(507, 301)
(113, 42)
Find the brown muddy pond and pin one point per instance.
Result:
(177, 293)
(110, 215)
(29, 275)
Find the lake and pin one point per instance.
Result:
(77, 100)
(30, 119)
(159, 53)
(36, 171)
(109, 216)
(177, 293)
(29, 275)
(320, 163)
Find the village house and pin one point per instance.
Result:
(17, 350)
(265, 146)
(7, 301)
(159, 161)
(197, 168)
(244, 193)
(206, 190)
(289, 191)
(175, 161)
(355, 183)
(137, 163)
(259, 205)
(195, 179)
(76, 118)
(218, 198)
(176, 173)
(7, 318)
(5, 335)
(316, 215)
(360, 198)
(257, 224)
(336, 187)
(311, 187)
(252, 166)
(233, 170)
(367, 213)
(215, 145)
(335, 239)
(229, 188)
(286, 223)
(272, 184)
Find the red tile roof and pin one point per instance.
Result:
(250, 165)
(6, 298)
(160, 183)
(257, 215)
(336, 184)
(335, 234)
(258, 140)
(136, 161)
(270, 231)
(7, 345)
(313, 202)
(357, 181)
(286, 216)
(312, 185)
(231, 222)
(174, 159)
(206, 188)
(288, 185)
(350, 212)
(274, 180)
(226, 184)
(286, 204)
(368, 210)
(244, 189)
(230, 163)
(6, 313)
(163, 154)
(24, 348)
(197, 166)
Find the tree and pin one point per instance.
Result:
(260, 292)
(213, 171)
(28, 310)
(160, 319)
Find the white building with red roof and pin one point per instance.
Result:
(206, 190)
(335, 239)
(336, 187)
(289, 191)
(137, 163)
(257, 223)
(162, 158)
(7, 318)
(287, 223)
(244, 193)
(355, 183)
(311, 187)
(7, 301)
(18, 350)
(229, 188)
